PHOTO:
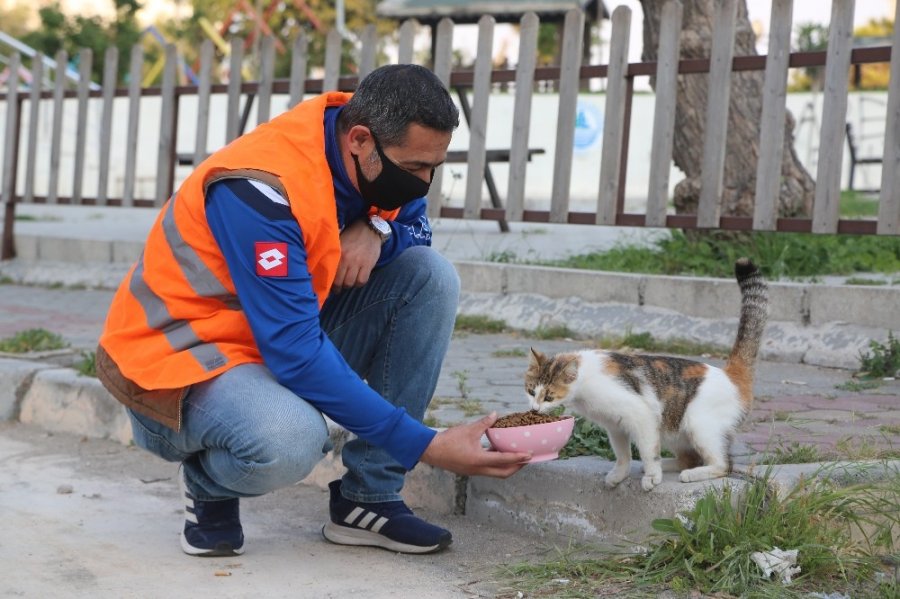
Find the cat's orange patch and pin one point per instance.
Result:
(695, 371)
(612, 368)
(661, 365)
(742, 377)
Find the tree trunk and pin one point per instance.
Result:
(742, 145)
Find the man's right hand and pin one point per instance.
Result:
(458, 449)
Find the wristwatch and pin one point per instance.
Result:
(380, 226)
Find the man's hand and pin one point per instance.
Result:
(458, 449)
(360, 250)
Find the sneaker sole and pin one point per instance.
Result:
(220, 551)
(343, 535)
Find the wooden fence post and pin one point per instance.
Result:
(569, 79)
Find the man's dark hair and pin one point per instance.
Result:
(391, 98)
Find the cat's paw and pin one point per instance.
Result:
(651, 480)
(615, 476)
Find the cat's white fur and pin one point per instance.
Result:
(708, 422)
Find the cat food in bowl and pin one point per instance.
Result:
(542, 435)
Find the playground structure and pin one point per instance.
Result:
(241, 10)
(24, 75)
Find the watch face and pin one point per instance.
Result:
(380, 226)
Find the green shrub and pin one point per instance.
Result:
(32, 340)
(881, 360)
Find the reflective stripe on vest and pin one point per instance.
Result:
(179, 333)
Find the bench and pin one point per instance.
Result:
(855, 158)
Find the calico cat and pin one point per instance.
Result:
(690, 407)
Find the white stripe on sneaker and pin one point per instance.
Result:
(353, 515)
(378, 524)
(364, 523)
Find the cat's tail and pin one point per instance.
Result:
(754, 313)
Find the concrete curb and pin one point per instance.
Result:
(820, 325)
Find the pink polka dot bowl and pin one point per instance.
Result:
(543, 441)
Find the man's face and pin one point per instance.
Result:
(423, 149)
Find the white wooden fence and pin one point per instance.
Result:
(19, 143)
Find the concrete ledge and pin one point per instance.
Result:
(59, 400)
(799, 303)
(857, 304)
(568, 498)
(15, 379)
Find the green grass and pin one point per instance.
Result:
(547, 333)
(855, 204)
(882, 360)
(31, 340)
(795, 453)
(647, 343)
(858, 385)
(839, 532)
(87, 366)
(779, 255)
(864, 281)
(477, 323)
(516, 352)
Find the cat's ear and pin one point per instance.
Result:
(537, 357)
(570, 370)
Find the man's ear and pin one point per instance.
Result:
(359, 139)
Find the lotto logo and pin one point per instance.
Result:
(271, 259)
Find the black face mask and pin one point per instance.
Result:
(393, 187)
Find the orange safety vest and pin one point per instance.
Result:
(176, 319)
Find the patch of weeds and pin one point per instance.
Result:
(471, 407)
(547, 333)
(864, 281)
(857, 386)
(839, 533)
(865, 448)
(781, 416)
(431, 421)
(882, 360)
(87, 366)
(589, 439)
(795, 453)
(462, 378)
(713, 253)
(437, 402)
(5, 280)
(478, 323)
(516, 352)
(646, 342)
(854, 204)
(891, 429)
(32, 340)
(504, 257)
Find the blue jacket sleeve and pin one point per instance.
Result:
(411, 227)
(283, 314)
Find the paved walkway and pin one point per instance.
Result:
(796, 404)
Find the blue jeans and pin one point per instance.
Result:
(394, 332)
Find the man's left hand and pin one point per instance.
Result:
(360, 250)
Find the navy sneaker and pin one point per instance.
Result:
(389, 525)
(211, 528)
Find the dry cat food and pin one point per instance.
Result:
(524, 419)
